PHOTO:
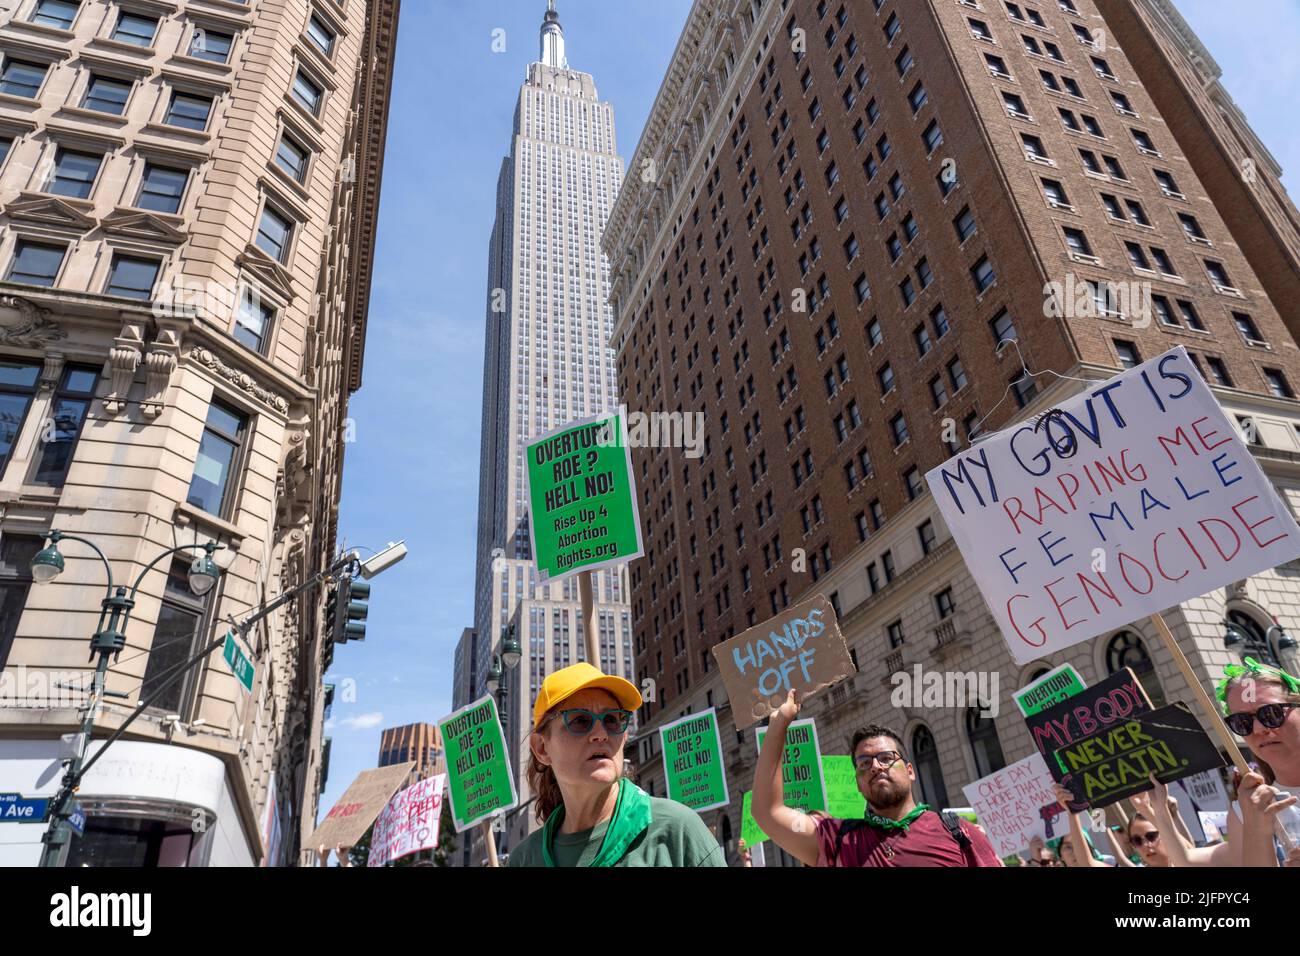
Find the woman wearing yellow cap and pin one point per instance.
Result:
(591, 815)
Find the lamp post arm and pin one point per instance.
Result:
(166, 554)
(57, 536)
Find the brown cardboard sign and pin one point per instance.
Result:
(800, 649)
(359, 807)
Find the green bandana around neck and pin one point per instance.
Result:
(631, 818)
(884, 823)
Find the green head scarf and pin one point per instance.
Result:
(1252, 669)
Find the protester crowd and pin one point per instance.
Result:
(593, 815)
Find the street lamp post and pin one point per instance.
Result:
(108, 640)
(117, 605)
(1284, 641)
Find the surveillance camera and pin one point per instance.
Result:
(383, 560)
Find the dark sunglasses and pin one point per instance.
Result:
(580, 722)
(886, 758)
(1151, 838)
(1270, 716)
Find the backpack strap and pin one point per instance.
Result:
(846, 827)
(952, 823)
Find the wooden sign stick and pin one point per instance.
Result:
(490, 839)
(1220, 729)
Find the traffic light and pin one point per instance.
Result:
(331, 612)
(350, 610)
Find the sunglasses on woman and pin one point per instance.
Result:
(1270, 716)
(1150, 838)
(579, 721)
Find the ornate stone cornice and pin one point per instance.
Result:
(242, 380)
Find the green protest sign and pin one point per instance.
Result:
(693, 761)
(844, 800)
(1047, 691)
(801, 773)
(749, 831)
(478, 767)
(583, 510)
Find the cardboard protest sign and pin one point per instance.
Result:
(693, 761)
(582, 497)
(1052, 688)
(1015, 804)
(1115, 762)
(800, 649)
(409, 823)
(1130, 497)
(844, 800)
(1115, 699)
(801, 773)
(350, 818)
(478, 769)
(749, 830)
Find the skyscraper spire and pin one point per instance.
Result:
(553, 38)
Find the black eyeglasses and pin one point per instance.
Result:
(1151, 838)
(1270, 716)
(886, 758)
(579, 721)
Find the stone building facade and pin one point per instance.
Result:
(188, 198)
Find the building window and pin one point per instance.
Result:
(20, 78)
(56, 13)
(274, 232)
(222, 436)
(915, 487)
(16, 553)
(210, 45)
(943, 603)
(135, 29)
(253, 319)
(898, 426)
(68, 413)
(1127, 352)
(1277, 383)
(74, 173)
(1246, 326)
(1126, 649)
(932, 137)
(983, 736)
(292, 158)
(1003, 328)
(17, 387)
(132, 278)
(1025, 389)
(179, 629)
(929, 774)
(982, 274)
(188, 111)
(894, 632)
(162, 188)
(36, 263)
(320, 34)
(106, 95)
(307, 93)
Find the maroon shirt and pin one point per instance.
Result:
(927, 842)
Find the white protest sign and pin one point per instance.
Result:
(1130, 497)
(1015, 804)
(409, 823)
(1206, 792)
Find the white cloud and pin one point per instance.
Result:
(363, 721)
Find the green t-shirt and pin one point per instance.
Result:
(676, 837)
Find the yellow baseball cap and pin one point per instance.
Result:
(567, 681)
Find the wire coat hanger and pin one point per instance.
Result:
(1024, 373)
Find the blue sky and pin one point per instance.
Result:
(413, 470)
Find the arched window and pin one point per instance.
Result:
(1127, 650)
(1255, 638)
(984, 743)
(925, 759)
